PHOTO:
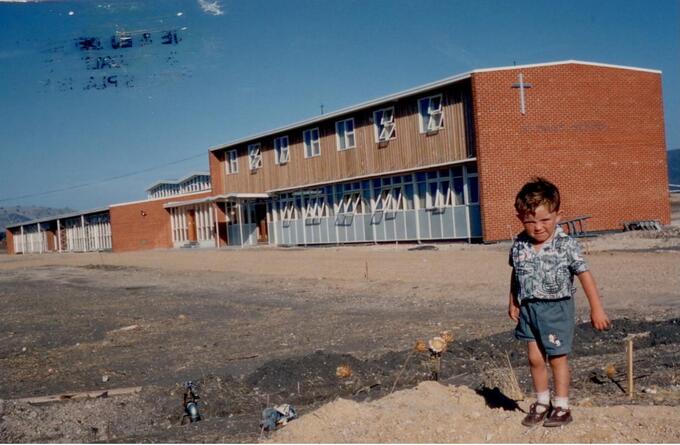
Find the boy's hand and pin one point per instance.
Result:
(599, 319)
(513, 311)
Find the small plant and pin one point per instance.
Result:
(343, 371)
(610, 370)
(447, 336)
(505, 379)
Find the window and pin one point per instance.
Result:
(255, 156)
(351, 204)
(312, 143)
(439, 194)
(281, 152)
(315, 207)
(446, 189)
(345, 134)
(473, 185)
(431, 114)
(288, 208)
(385, 127)
(232, 165)
(391, 199)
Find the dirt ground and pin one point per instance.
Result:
(259, 327)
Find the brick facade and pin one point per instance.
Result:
(9, 240)
(596, 131)
(144, 225)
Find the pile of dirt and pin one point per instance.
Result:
(436, 413)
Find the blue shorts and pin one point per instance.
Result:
(550, 323)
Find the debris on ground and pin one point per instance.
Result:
(277, 417)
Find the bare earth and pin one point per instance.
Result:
(257, 327)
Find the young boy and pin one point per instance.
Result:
(544, 261)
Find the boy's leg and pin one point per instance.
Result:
(539, 373)
(527, 332)
(561, 375)
(560, 415)
(539, 377)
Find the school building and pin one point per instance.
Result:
(442, 161)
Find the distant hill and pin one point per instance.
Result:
(674, 166)
(17, 214)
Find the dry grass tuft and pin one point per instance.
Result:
(343, 371)
(610, 370)
(505, 379)
(447, 336)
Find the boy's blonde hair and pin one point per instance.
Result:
(537, 192)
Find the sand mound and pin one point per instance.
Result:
(432, 412)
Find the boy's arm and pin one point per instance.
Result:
(598, 318)
(513, 307)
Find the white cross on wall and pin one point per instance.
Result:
(521, 85)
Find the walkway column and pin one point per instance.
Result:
(217, 226)
(58, 236)
(240, 220)
(40, 238)
(84, 237)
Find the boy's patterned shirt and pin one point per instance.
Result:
(549, 273)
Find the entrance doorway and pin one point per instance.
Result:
(191, 225)
(260, 218)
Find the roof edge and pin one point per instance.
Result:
(56, 217)
(566, 62)
(177, 181)
(119, 204)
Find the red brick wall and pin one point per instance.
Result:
(144, 225)
(597, 132)
(10, 242)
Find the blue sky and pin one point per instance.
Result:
(152, 110)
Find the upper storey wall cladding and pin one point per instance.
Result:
(430, 127)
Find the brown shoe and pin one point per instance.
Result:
(558, 417)
(534, 417)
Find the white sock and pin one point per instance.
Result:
(562, 402)
(544, 399)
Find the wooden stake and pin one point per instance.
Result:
(81, 395)
(366, 270)
(631, 388)
(408, 357)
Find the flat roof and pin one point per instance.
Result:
(412, 91)
(54, 218)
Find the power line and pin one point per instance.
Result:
(102, 181)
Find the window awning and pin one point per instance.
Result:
(190, 202)
(220, 198)
(241, 196)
